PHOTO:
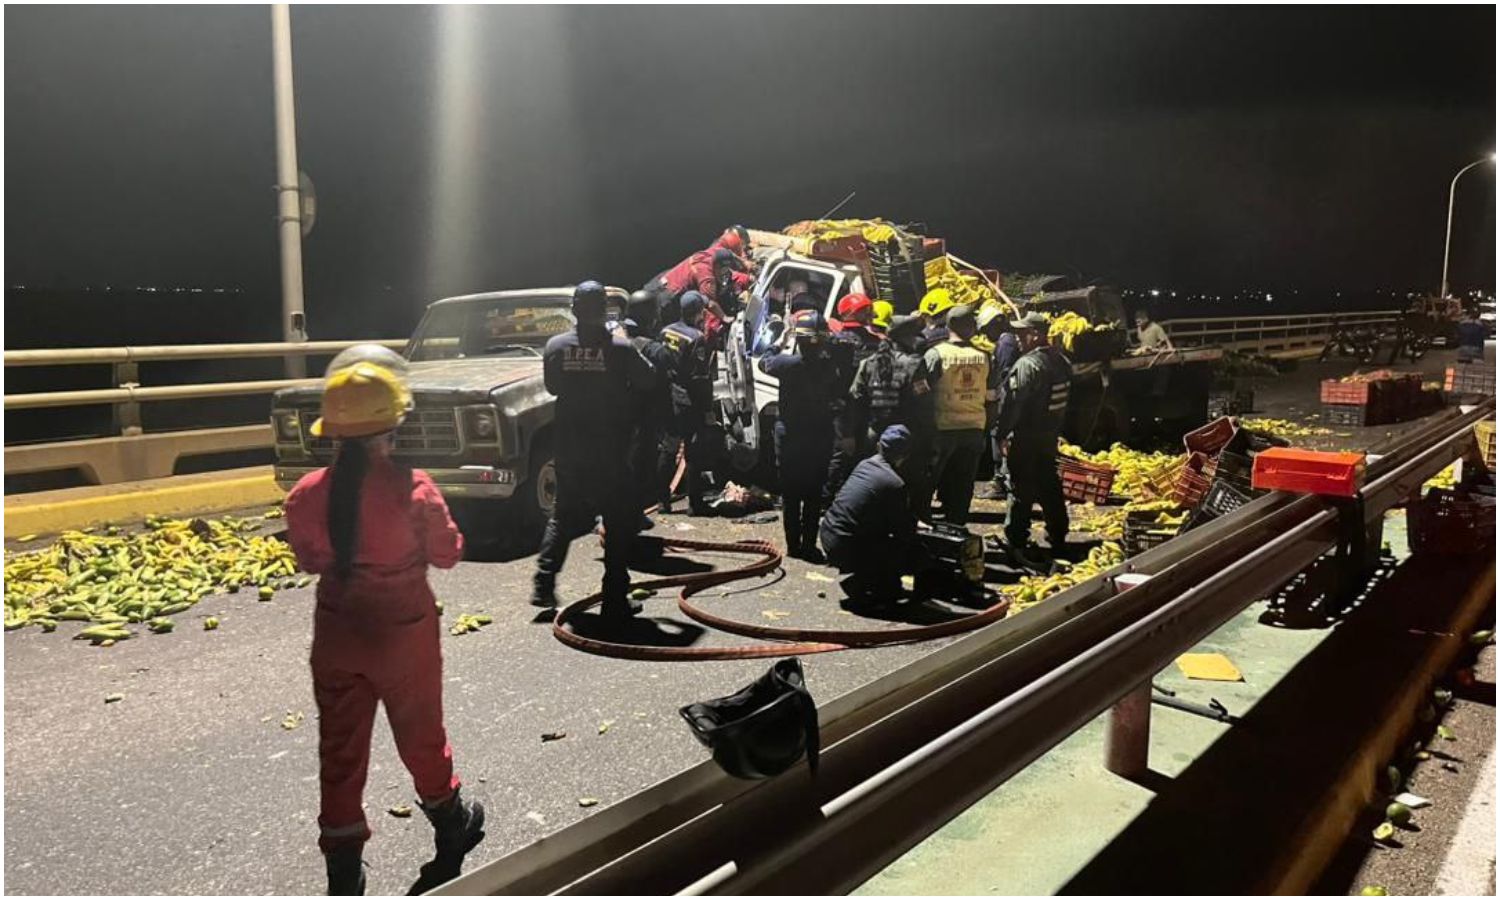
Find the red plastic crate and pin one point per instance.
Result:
(1211, 438)
(1193, 481)
(1351, 393)
(1084, 482)
(1308, 471)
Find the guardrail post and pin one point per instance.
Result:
(1127, 741)
(127, 415)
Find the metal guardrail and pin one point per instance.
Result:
(134, 455)
(906, 753)
(1276, 336)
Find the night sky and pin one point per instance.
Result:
(458, 150)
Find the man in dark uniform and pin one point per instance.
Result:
(595, 375)
(994, 326)
(916, 412)
(889, 382)
(869, 532)
(652, 413)
(804, 429)
(691, 374)
(853, 341)
(1034, 405)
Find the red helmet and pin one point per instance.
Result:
(734, 238)
(854, 304)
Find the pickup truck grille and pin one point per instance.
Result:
(424, 433)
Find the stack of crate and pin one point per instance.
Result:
(1465, 378)
(1382, 398)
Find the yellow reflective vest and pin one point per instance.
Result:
(963, 379)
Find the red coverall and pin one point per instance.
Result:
(375, 637)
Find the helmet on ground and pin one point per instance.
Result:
(692, 304)
(808, 325)
(384, 357)
(936, 302)
(852, 305)
(762, 730)
(884, 311)
(362, 400)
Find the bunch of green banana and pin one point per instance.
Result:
(113, 579)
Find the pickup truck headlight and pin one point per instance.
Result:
(288, 429)
(481, 425)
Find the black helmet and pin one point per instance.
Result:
(692, 304)
(642, 309)
(589, 301)
(762, 730)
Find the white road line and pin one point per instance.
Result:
(1469, 868)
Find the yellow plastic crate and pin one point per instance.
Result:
(1484, 432)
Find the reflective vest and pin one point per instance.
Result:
(961, 387)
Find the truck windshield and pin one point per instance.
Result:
(504, 327)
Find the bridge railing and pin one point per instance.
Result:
(1282, 337)
(132, 454)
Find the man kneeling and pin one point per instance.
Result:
(869, 531)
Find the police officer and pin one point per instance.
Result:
(1031, 415)
(691, 376)
(804, 430)
(652, 414)
(594, 373)
(853, 342)
(869, 531)
(959, 375)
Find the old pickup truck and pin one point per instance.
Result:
(481, 425)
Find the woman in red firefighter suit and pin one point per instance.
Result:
(370, 527)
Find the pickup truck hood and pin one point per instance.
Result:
(450, 380)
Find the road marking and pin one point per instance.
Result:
(1469, 868)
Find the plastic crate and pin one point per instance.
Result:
(1235, 468)
(1448, 523)
(1159, 480)
(1142, 532)
(1223, 498)
(1476, 378)
(1192, 481)
(1484, 433)
(1211, 438)
(1308, 472)
(1349, 393)
(1084, 482)
(1097, 346)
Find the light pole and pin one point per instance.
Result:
(288, 190)
(1448, 235)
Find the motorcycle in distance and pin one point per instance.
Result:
(1357, 342)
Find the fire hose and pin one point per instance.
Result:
(786, 641)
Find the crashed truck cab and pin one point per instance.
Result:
(481, 422)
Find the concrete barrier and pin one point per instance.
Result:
(50, 512)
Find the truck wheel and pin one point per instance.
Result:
(536, 496)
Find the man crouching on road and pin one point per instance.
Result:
(869, 531)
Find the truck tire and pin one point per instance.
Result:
(535, 497)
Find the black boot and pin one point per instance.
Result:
(542, 593)
(457, 828)
(346, 871)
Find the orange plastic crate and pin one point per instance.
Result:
(1193, 480)
(1308, 472)
(1211, 438)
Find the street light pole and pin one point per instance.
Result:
(1448, 235)
(288, 192)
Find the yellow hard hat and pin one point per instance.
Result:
(936, 302)
(360, 401)
(883, 313)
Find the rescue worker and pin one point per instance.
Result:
(994, 327)
(853, 341)
(652, 413)
(869, 531)
(1031, 416)
(595, 375)
(691, 375)
(889, 382)
(806, 380)
(916, 413)
(934, 309)
(370, 527)
(716, 274)
(884, 311)
(959, 376)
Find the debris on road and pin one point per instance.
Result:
(1208, 667)
(113, 698)
(549, 736)
(588, 801)
(467, 623)
(401, 812)
(292, 720)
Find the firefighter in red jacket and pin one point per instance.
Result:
(370, 527)
(718, 273)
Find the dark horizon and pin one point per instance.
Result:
(1199, 149)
